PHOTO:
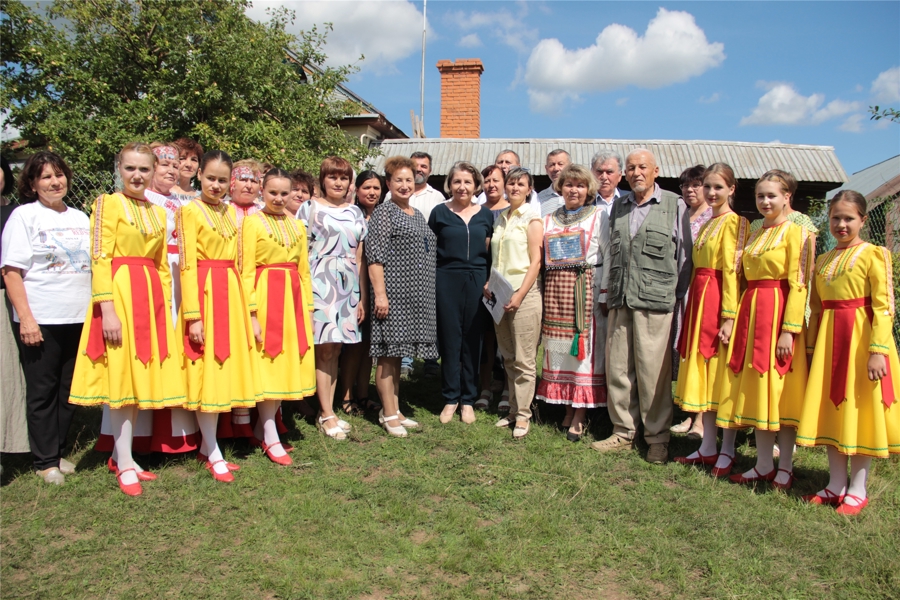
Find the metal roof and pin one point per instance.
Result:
(872, 178)
(748, 159)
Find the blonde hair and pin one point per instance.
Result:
(137, 147)
(578, 174)
(783, 178)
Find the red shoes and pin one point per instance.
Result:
(723, 471)
(848, 510)
(739, 477)
(231, 466)
(784, 486)
(829, 498)
(698, 460)
(141, 475)
(130, 489)
(223, 477)
(284, 460)
(258, 443)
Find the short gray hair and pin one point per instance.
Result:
(466, 167)
(606, 154)
(553, 153)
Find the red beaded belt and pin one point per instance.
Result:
(707, 283)
(764, 290)
(218, 271)
(140, 308)
(273, 341)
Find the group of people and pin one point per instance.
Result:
(206, 309)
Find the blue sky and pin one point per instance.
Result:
(796, 72)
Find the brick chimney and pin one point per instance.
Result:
(461, 97)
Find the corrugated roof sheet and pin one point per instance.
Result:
(871, 178)
(748, 159)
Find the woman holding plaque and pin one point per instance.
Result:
(573, 238)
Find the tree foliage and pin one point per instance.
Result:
(86, 76)
(878, 113)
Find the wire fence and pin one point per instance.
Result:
(84, 189)
(882, 228)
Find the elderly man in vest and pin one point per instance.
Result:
(647, 267)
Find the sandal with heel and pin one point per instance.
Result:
(396, 431)
(336, 432)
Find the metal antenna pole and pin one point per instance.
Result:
(422, 85)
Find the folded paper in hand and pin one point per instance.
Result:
(501, 293)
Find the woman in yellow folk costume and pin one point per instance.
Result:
(129, 357)
(854, 383)
(765, 378)
(222, 371)
(709, 315)
(275, 270)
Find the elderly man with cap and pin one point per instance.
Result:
(647, 266)
(557, 160)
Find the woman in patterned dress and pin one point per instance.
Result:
(129, 357)
(765, 378)
(275, 270)
(571, 375)
(851, 398)
(710, 313)
(222, 369)
(401, 255)
(336, 229)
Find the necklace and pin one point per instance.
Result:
(283, 231)
(218, 218)
(141, 215)
(566, 218)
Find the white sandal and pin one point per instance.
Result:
(484, 400)
(336, 432)
(503, 406)
(398, 431)
(409, 423)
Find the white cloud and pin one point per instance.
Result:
(783, 105)
(886, 87)
(385, 32)
(622, 101)
(853, 124)
(470, 41)
(711, 99)
(503, 25)
(673, 49)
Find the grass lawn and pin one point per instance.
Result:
(453, 511)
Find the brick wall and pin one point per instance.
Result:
(461, 97)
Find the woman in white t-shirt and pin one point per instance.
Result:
(47, 272)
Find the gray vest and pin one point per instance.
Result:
(643, 271)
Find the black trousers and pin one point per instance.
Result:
(460, 327)
(48, 370)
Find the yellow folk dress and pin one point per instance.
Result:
(852, 311)
(130, 267)
(755, 389)
(275, 270)
(223, 373)
(714, 295)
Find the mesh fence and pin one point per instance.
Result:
(84, 189)
(881, 228)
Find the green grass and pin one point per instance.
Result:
(453, 511)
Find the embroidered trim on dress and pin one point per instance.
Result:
(179, 238)
(889, 278)
(218, 218)
(97, 236)
(739, 247)
(709, 230)
(766, 238)
(141, 215)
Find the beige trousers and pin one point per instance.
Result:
(639, 373)
(517, 337)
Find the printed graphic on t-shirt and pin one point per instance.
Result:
(63, 249)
